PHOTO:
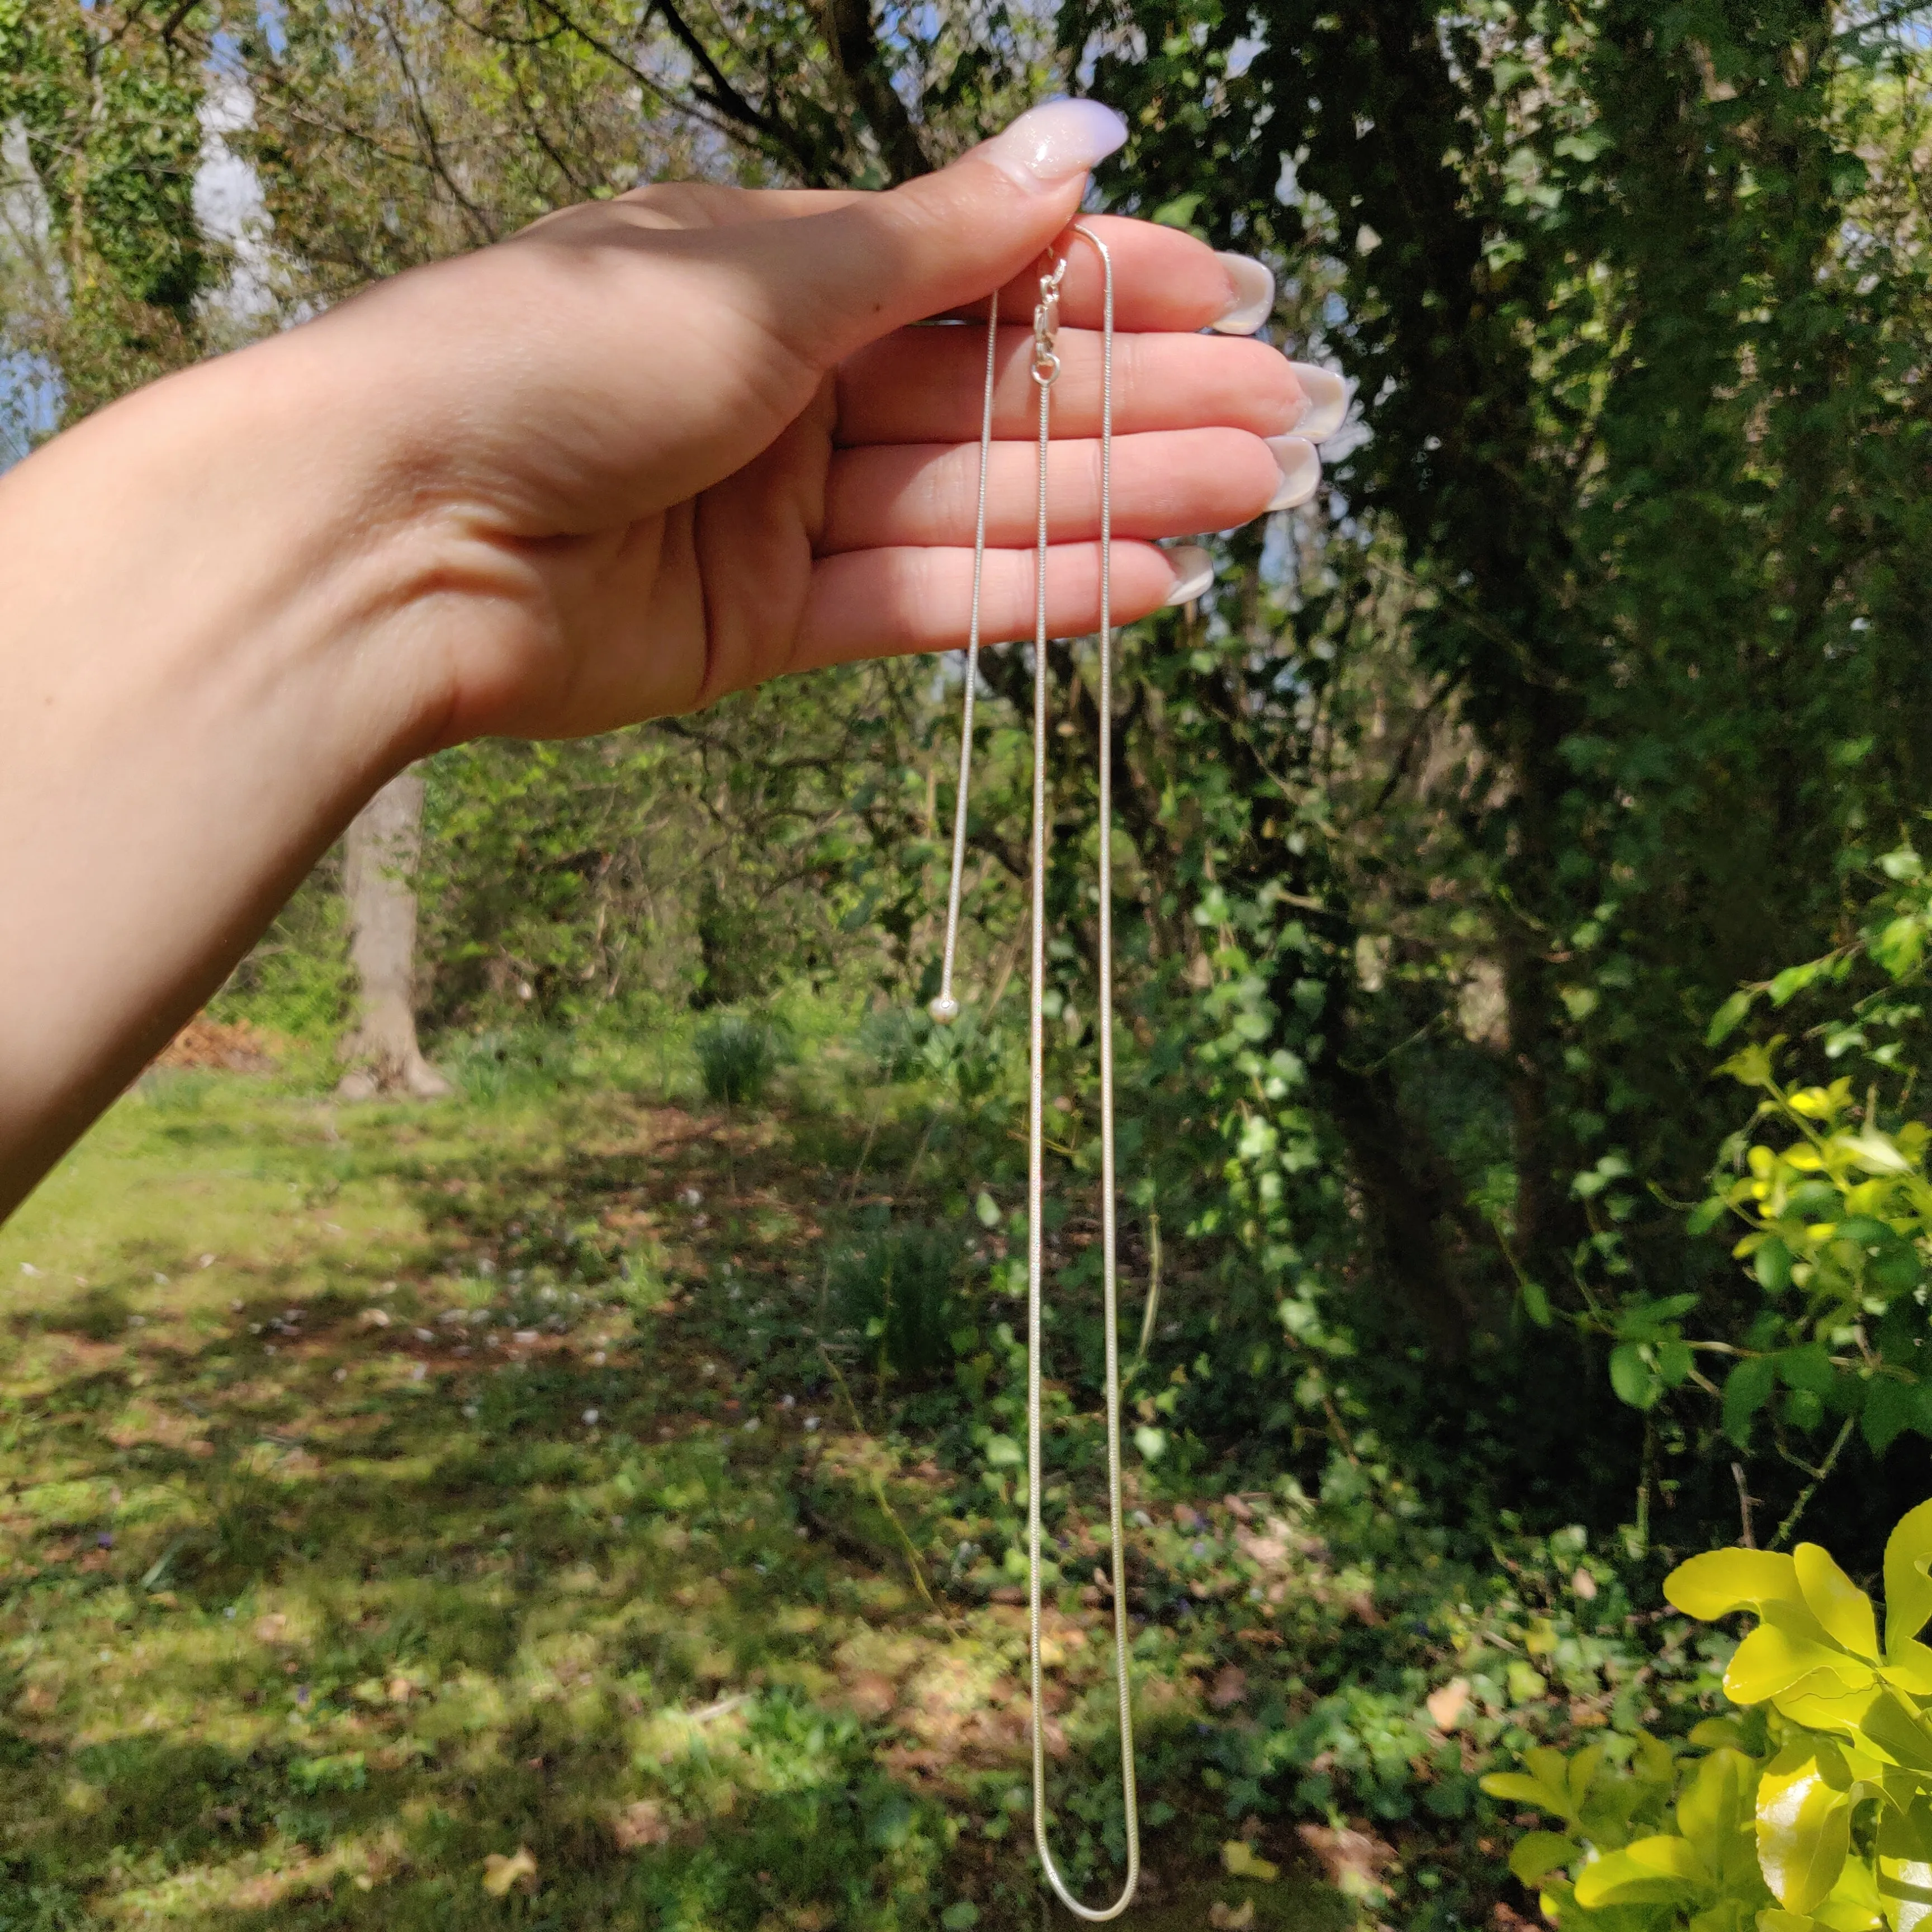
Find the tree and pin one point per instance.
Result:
(384, 844)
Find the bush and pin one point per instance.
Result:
(736, 1057)
(898, 1292)
(1812, 1813)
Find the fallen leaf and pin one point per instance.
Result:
(1447, 1704)
(639, 1825)
(1232, 1918)
(271, 1629)
(1353, 1861)
(1231, 1686)
(1584, 1584)
(499, 1874)
(1239, 1859)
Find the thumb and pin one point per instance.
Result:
(876, 261)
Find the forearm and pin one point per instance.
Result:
(213, 605)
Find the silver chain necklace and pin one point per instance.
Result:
(945, 1008)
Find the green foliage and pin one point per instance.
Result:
(1815, 1811)
(737, 1054)
(898, 1292)
(108, 99)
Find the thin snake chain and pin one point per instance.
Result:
(945, 1008)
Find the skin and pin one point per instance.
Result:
(649, 451)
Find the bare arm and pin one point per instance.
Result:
(648, 452)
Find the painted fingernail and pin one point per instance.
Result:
(1251, 302)
(1301, 468)
(1327, 400)
(1052, 142)
(1193, 571)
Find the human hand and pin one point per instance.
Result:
(658, 449)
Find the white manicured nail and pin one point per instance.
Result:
(1327, 396)
(1301, 468)
(1193, 571)
(1051, 143)
(1252, 301)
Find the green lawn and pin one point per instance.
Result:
(448, 1516)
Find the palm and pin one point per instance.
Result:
(776, 514)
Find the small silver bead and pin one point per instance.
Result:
(944, 1010)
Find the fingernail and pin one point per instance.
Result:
(1327, 400)
(1300, 469)
(1052, 143)
(1193, 571)
(1252, 301)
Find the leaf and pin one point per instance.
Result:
(1908, 1590)
(1003, 1452)
(1891, 1407)
(1513, 1786)
(1717, 1806)
(1898, 1731)
(1239, 1859)
(1771, 1659)
(1727, 1019)
(1707, 1214)
(1804, 1831)
(1635, 1382)
(1794, 979)
(1536, 1854)
(1720, 1581)
(1747, 1389)
(1877, 1153)
(499, 1874)
(1536, 1304)
(1152, 1443)
(1656, 1870)
(1837, 1603)
(1771, 1264)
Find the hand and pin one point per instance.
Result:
(673, 445)
(649, 451)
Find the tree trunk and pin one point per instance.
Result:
(382, 1054)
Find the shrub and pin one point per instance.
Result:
(898, 1291)
(736, 1057)
(1812, 1813)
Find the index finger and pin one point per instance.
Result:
(1164, 279)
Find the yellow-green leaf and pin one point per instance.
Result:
(1772, 1920)
(1821, 1702)
(1909, 1668)
(1723, 1580)
(1239, 1859)
(1716, 1804)
(1804, 1829)
(1653, 1871)
(1835, 1600)
(1908, 1590)
(1512, 1785)
(1853, 1906)
(1536, 1854)
(1898, 1731)
(1771, 1659)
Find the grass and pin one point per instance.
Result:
(448, 1516)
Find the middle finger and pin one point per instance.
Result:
(927, 385)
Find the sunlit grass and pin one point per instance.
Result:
(406, 1523)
